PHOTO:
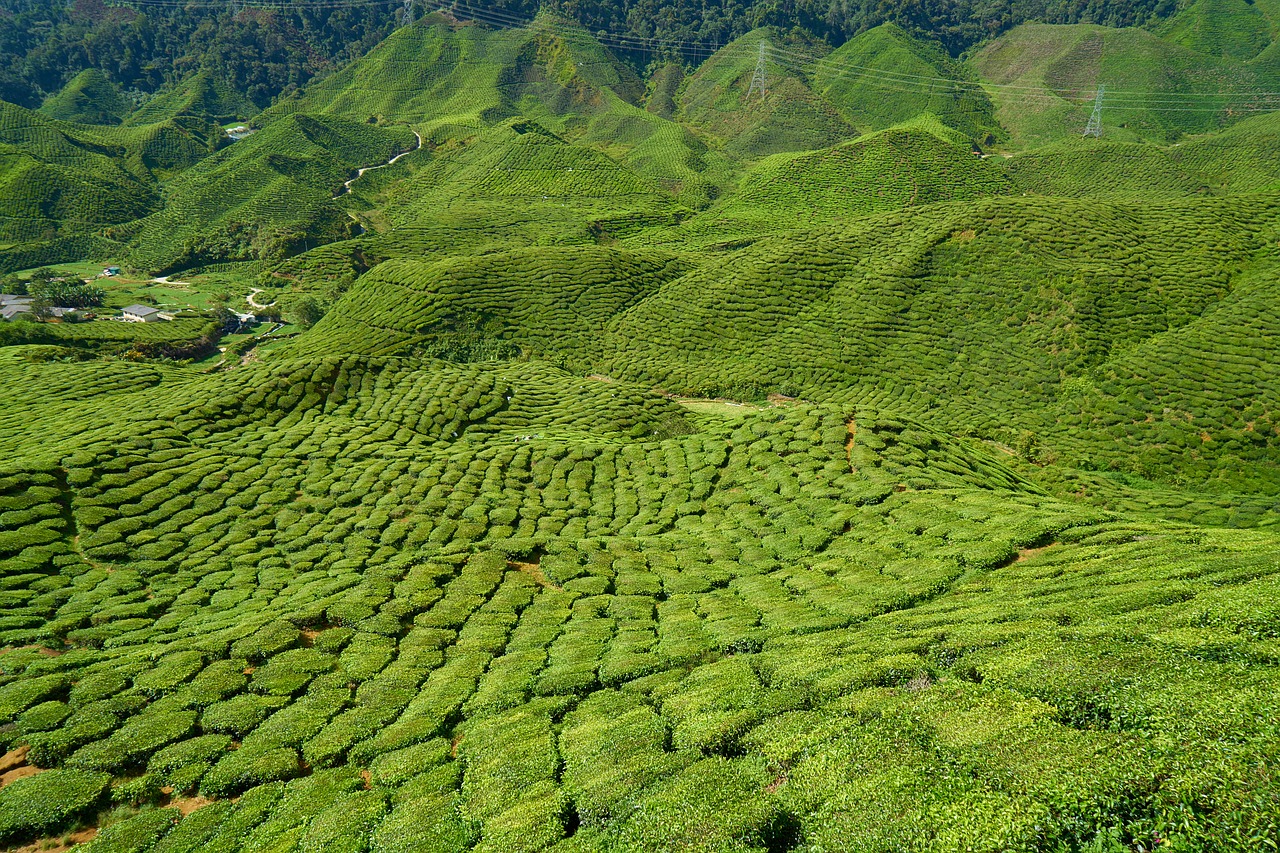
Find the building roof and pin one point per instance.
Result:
(11, 299)
(141, 310)
(8, 312)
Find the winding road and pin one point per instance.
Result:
(253, 303)
(346, 186)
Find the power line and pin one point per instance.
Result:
(1233, 102)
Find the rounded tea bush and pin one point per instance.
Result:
(37, 805)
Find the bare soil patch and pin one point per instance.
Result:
(533, 570)
(14, 766)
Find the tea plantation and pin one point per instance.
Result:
(647, 459)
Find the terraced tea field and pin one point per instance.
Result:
(815, 447)
(409, 605)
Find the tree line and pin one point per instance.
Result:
(263, 53)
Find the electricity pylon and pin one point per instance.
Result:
(1094, 127)
(406, 13)
(759, 81)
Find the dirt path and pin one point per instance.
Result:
(852, 429)
(164, 279)
(253, 303)
(346, 186)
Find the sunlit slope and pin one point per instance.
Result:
(1235, 29)
(1239, 159)
(521, 180)
(901, 167)
(269, 195)
(1086, 167)
(451, 75)
(88, 98)
(61, 178)
(519, 161)
(982, 312)
(202, 93)
(788, 116)
(987, 314)
(455, 80)
(1234, 161)
(545, 301)
(884, 77)
(1209, 386)
(1047, 76)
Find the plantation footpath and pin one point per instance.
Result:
(792, 438)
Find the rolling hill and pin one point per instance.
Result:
(1048, 76)
(265, 196)
(626, 460)
(884, 77)
(787, 116)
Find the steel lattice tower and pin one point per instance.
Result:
(1094, 127)
(759, 81)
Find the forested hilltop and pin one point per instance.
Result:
(639, 429)
(264, 51)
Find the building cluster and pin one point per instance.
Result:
(14, 306)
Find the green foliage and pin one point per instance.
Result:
(88, 98)
(870, 79)
(135, 834)
(46, 802)
(266, 197)
(678, 473)
(1052, 73)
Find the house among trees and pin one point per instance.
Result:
(110, 271)
(144, 314)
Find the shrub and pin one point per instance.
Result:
(239, 715)
(134, 741)
(393, 768)
(46, 802)
(345, 826)
(247, 767)
(430, 825)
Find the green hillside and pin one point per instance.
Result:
(1235, 29)
(901, 167)
(201, 94)
(442, 72)
(1158, 89)
(58, 178)
(90, 98)
(263, 197)
(568, 446)
(884, 77)
(788, 116)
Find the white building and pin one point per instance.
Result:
(143, 314)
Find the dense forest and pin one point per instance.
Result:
(262, 52)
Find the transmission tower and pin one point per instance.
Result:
(235, 7)
(406, 13)
(759, 81)
(1094, 127)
